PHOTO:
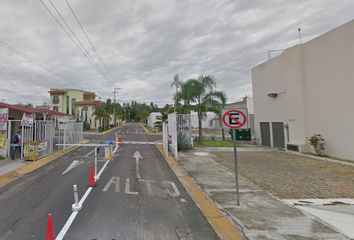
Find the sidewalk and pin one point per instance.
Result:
(262, 215)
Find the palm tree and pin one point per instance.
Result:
(177, 83)
(161, 119)
(200, 92)
(100, 113)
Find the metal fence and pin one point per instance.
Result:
(37, 139)
(70, 133)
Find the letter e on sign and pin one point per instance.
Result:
(235, 118)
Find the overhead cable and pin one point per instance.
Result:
(90, 41)
(87, 53)
(36, 63)
(92, 62)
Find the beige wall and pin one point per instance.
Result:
(60, 104)
(314, 82)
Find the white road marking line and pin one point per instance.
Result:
(148, 185)
(173, 185)
(137, 155)
(113, 180)
(66, 226)
(82, 200)
(104, 166)
(75, 163)
(137, 168)
(73, 215)
(72, 165)
(127, 187)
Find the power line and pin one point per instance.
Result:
(88, 54)
(90, 41)
(36, 63)
(92, 62)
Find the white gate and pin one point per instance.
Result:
(171, 134)
(70, 133)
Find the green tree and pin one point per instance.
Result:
(218, 118)
(143, 115)
(199, 94)
(28, 105)
(100, 113)
(160, 120)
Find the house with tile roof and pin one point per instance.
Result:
(76, 102)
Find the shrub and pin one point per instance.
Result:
(213, 138)
(318, 143)
(183, 141)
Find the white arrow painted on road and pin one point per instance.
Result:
(76, 163)
(72, 165)
(137, 155)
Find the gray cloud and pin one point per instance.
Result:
(144, 43)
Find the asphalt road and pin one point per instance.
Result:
(137, 197)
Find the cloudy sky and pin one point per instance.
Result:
(144, 44)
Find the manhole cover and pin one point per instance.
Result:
(201, 153)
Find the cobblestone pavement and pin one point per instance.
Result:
(290, 176)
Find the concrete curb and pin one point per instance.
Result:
(218, 221)
(17, 173)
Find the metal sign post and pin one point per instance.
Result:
(234, 119)
(236, 169)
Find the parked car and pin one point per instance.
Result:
(86, 126)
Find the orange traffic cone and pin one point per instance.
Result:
(50, 230)
(92, 179)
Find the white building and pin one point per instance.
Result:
(153, 118)
(308, 89)
(206, 121)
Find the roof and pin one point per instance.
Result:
(90, 93)
(33, 110)
(57, 90)
(89, 102)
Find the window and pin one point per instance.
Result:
(67, 105)
(55, 108)
(55, 98)
(73, 100)
(84, 108)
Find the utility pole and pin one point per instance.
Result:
(114, 106)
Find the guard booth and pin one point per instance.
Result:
(37, 128)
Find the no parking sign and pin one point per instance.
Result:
(235, 118)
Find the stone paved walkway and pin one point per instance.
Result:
(260, 215)
(290, 176)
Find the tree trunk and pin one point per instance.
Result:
(200, 126)
(223, 134)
